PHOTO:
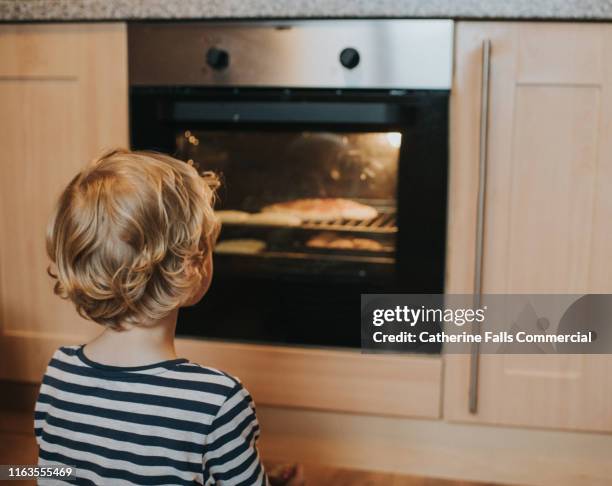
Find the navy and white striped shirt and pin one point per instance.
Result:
(171, 423)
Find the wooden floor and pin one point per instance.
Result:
(17, 446)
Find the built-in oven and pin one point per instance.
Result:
(331, 141)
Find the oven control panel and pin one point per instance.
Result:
(366, 54)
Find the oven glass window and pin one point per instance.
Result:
(308, 224)
(302, 195)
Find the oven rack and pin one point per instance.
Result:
(384, 223)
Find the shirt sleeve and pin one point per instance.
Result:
(42, 404)
(231, 456)
(39, 418)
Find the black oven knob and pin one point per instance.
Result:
(217, 58)
(349, 58)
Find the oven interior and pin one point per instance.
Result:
(287, 279)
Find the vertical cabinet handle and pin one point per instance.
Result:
(480, 217)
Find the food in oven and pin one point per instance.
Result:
(274, 219)
(328, 240)
(352, 232)
(243, 246)
(230, 216)
(323, 209)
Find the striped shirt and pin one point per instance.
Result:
(170, 423)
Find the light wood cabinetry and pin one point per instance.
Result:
(548, 208)
(63, 98)
(338, 380)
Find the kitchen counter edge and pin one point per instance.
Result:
(92, 10)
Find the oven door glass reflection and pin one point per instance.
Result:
(302, 196)
(308, 224)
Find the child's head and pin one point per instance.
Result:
(131, 237)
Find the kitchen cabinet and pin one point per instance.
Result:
(328, 379)
(547, 208)
(63, 98)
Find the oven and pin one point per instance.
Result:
(331, 141)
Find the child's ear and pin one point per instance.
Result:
(204, 269)
(191, 268)
(196, 268)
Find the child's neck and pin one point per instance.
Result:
(137, 345)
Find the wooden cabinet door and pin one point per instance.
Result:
(548, 208)
(63, 98)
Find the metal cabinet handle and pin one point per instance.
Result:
(482, 193)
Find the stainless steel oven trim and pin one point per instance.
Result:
(393, 54)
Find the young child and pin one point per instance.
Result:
(130, 243)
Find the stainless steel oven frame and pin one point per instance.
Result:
(362, 75)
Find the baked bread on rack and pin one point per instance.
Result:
(323, 209)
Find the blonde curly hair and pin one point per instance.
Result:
(130, 235)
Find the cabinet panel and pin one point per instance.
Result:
(559, 54)
(63, 98)
(30, 181)
(42, 50)
(551, 187)
(325, 379)
(547, 203)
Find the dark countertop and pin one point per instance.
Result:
(73, 10)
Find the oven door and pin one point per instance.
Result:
(325, 196)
